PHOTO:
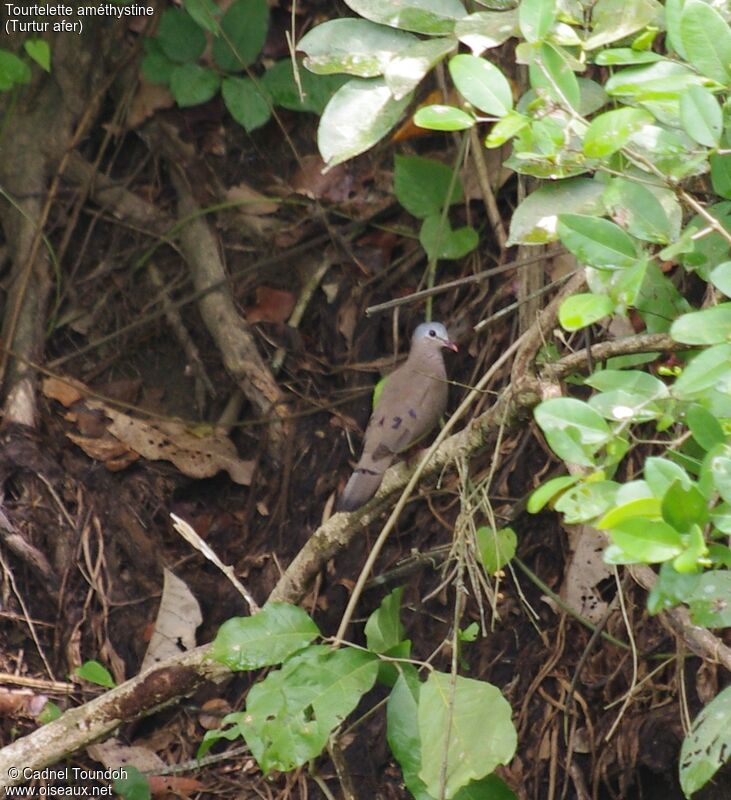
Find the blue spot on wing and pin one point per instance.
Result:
(396, 423)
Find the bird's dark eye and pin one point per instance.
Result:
(432, 333)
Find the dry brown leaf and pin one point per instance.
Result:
(212, 713)
(178, 618)
(252, 202)
(150, 97)
(272, 305)
(174, 784)
(336, 185)
(113, 754)
(585, 571)
(66, 391)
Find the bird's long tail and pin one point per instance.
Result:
(363, 483)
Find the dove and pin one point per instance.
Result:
(412, 402)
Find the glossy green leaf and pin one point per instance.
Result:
(581, 310)
(192, 84)
(595, 241)
(701, 116)
(354, 46)
(574, 431)
(720, 468)
(156, 66)
(721, 174)
(358, 116)
(612, 130)
(710, 604)
(710, 369)
(612, 20)
(705, 749)
(642, 212)
(647, 541)
(545, 493)
(705, 427)
(660, 474)
(181, 39)
(695, 555)
(245, 102)
(621, 405)
(244, 29)
(267, 638)
(720, 277)
(620, 56)
(406, 69)
(671, 588)
(706, 40)
(586, 502)
(422, 185)
(440, 240)
(433, 17)
(279, 83)
(133, 785)
(402, 731)
(535, 220)
(551, 73)
(639, 507)
(486, 29)
(505, 128)
(481, 83)
(496, 547)
(662, 80)
(455, 744)
(443, 118)
(536, 18)
(640, 383)
(683, 507)
(39, 51)
(708, 326)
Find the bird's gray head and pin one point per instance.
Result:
(433, 332)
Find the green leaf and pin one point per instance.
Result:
(245, 102)
(706, 40)
(455, 744)
(695, 556)
(705, 749)
(406, 70)
(133, 786)
(535, 220)
(244, 29)
(545, 493)
(156, 66)
(595, 241)
(709, 326)
(205, 13)
(704, 426)
(180, 38)
(482, 84)
(192, 84)
(710, 603)
(486, 29)
(632, 381)
(720, 277)
(402, 732)
(662, 80)
(626, 55)
(721, 174)
(710, 369)
(615, 19)
(440, 240)
(383, 629)
(670, 588)
(639, 507)
(720, 467)
(489, 788)
(701, 116)
(434, 17)
(39, 51)
(647, 541)
(355, 46)
(267, 638)
(552, 73)
(422, 185)
(443, 118)
(94, 672)
(291, 713)
(581, 310)
(587, 501)
(505, 128)
(684, 507)
(49, 713)
(642, 212)
(359, 114)
(660, 474)
(573, 430)
(497, 547)
(279, 82)
(13, 70)
(611, 131)
(536, 18)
